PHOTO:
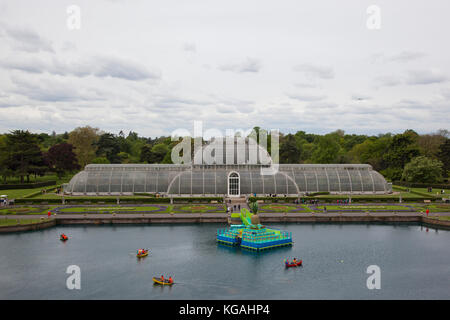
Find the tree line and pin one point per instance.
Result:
(407, 156)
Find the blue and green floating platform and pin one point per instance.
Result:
(252, 235)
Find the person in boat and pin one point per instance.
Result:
(170, 279)
(294, 261)
(162, 278)
(286, 261)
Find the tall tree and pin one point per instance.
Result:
(444, 157)
(327, 149)
(108, 146)
(424, 170)
(83, 140)
(61, 159)
(401, 150)
(23, 155)
(289, 150)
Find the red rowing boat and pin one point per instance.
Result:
(297, 264)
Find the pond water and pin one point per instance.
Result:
(414, 263)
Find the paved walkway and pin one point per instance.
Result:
(219, 215)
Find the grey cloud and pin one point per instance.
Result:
(403, 56)
(100, 66)
(360, 97)
(248, 65)
(315, 71)
(307, 97)
(191, 47)
(53, 91)
(24, 39)
(425, 77)
(387, 81)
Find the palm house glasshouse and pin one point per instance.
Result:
(230, 175)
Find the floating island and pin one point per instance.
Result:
(252, 235)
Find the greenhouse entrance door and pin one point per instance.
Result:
(234, 185)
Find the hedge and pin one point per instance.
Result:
(27, 185)
(197, 199)
(333, 200)
(128, 200)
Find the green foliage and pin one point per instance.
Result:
(254, 207)
(327, 149)
(444, 157)
(387, 153)
(21, 155)
(61, 159)
(108, 146)
(423, 169)
(100, 160)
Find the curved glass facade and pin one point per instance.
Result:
(290, 179)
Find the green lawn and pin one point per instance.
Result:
(432, 207)
(374, 196)
(115, 209)
(13, 222)
(20, 193)
(365, 207)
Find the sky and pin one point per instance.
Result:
(157, 66)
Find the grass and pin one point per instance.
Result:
(108, 209)
(26, 210)
(20, 193)
(111, 209)
(422, 191)
(13, 222)
(365, 208)
(432, 207)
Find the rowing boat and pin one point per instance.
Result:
(142, 254)
(298, 263)
(160, 281)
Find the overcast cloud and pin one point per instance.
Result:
(155, 66)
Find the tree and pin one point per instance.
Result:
(159, 151)
(61, 158)
(429, 144)
(401, 150)
(423, 170)
(327, 149)
(372, 151)
(22, 154)
(289, 150)
(100, 160)
(83, 140)
(146, 154)
(5, 170)
(109, 147)
(444, 157)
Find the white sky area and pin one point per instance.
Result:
(156, 66)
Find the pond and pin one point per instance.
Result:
(414, 262)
